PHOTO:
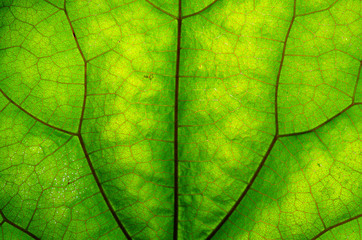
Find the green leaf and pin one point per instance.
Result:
(165, 119)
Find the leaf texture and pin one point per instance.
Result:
(180, 119)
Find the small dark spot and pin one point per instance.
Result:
(74, 35)
(149, 76)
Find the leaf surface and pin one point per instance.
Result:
(165, 119)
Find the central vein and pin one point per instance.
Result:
(177, 83)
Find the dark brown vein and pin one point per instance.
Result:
(84, 98)
(34, 117)
(95, 176)
(100, 187)
(198, 12)
(5, 219)
(85, 66)
(73, 32)
(336, 225)
(246, 190)
(176, 125)
(160, 9)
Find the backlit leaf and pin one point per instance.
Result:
(180, 119)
